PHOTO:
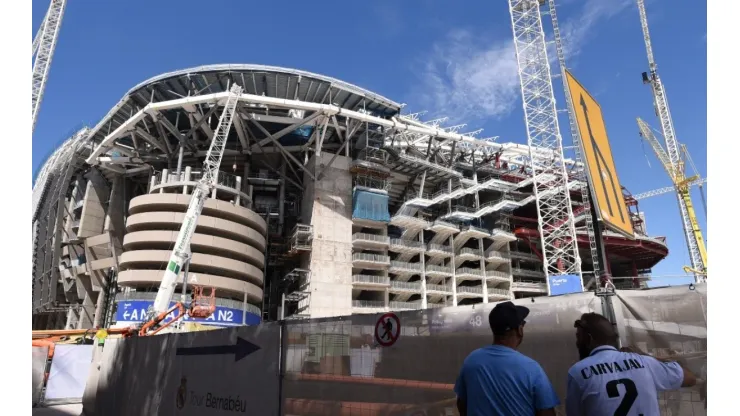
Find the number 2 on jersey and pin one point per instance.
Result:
(630, 394)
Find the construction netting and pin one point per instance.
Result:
(338, 366)
(395, 363)
(669, 323)
(370, 206)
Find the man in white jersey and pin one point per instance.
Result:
(610, 382)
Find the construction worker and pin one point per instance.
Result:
(610, 382)
(498, 380)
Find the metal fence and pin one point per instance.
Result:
(362, 365)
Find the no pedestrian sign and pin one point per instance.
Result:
(387, 329)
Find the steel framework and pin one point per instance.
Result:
(43, 49)
(665, 190)
(555, 216)
(673, 163)
(575, 135)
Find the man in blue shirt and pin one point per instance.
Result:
(609, 382)
(498, 380)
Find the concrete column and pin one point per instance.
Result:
(238, 198)
(281, 200)
(72, 318)
(100, 308)
(179, 158)
(422, 260)
(247, 186)
(449, 201)
(87, 312)
(423, 179)
(188, 170)
(165, 176)
(483, 268)
(452, 265)
(152, 183)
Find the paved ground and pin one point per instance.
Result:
(60, 410)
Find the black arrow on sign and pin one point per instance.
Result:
(599, 159)
(241, 349)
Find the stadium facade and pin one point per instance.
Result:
(330, 201)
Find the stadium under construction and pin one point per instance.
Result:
(330, 201)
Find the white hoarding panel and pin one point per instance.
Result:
(69, 370)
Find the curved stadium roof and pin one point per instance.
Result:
(265, 80)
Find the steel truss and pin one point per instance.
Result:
(667, 189)
(43, 49)
(427, 141)
(575, 135)
(555, 216)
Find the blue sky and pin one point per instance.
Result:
(450, 60)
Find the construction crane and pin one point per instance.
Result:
(666, 190)
(681, 184)
(200, 307)
(576, 137)
(43, 49)
(671, 156)
(554, 211)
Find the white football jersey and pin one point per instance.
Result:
(614, 383)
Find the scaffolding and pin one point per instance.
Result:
(300, 239)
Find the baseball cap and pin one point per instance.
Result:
(506, 316)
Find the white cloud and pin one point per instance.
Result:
(465, 81)
(468, 77)
(575, 32)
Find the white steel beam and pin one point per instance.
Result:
(399, 125)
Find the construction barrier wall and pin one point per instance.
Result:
(669, 323)
(39, 356)
(189, 374)
(402, 363)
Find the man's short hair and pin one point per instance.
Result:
(506, 316)
(598, 327)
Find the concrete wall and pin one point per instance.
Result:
(227, 247)
(330, 211)
(96, 197)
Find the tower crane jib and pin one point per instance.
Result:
(44, 44)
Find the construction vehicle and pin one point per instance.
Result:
(671, 159)
(202, 305)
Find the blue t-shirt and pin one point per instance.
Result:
(498, 380)
(610, 382)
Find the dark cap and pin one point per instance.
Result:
(506, 316)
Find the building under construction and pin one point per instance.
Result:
(330, 201)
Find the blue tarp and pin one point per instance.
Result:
(370, 206)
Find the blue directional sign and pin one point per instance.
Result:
(134, 311)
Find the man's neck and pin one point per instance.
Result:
(509, 343)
